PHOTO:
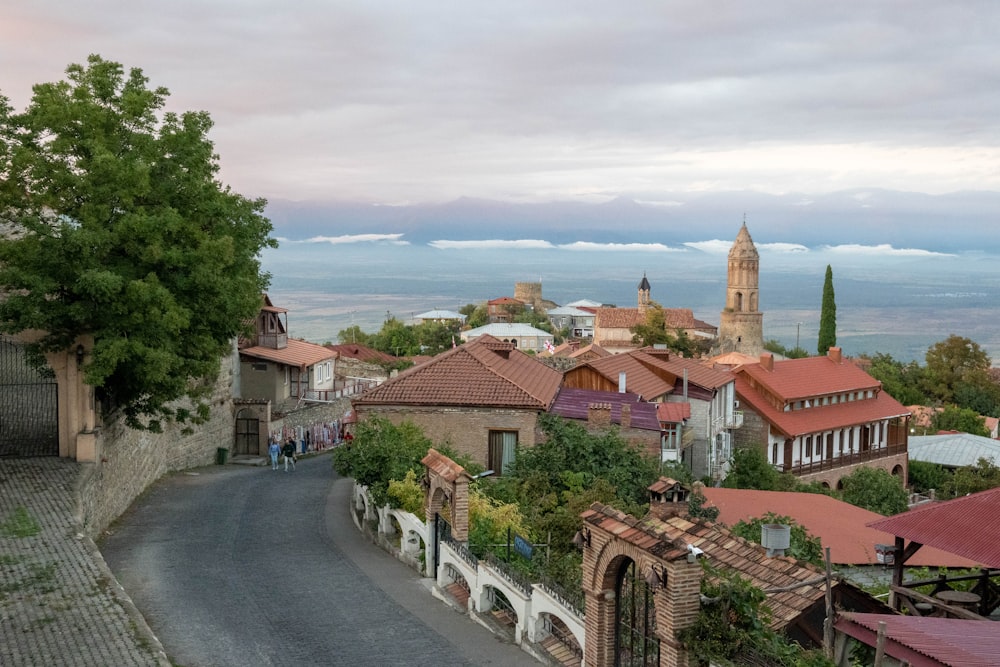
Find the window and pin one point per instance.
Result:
(259, 366)
(501, 450)
(809, 446)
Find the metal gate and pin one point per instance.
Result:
(247, 437)
(29, 405)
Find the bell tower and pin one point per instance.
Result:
(741, 326)
(643, 301)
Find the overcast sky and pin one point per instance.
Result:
(402, 101)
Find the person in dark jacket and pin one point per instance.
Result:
(288, 451)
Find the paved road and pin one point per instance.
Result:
(236, 565)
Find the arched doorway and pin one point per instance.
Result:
(29, 405)
(636, 644)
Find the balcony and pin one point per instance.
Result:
(845, 460)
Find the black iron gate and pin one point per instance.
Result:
(247, 437)
(442, 533)
(29, 405)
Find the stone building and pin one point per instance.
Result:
(741, 325)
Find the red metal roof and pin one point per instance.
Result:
(923, 641)
(841, 526)
(799, 379)
(967, 526)
(298, 353)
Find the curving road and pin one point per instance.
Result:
(243, 566)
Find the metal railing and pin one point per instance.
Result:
(846, 460)
(509, 574)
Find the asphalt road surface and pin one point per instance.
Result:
(244, 566)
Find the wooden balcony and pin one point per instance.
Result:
(846, 460)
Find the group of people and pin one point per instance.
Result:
(287, 450)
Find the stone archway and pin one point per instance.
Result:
(446, 488)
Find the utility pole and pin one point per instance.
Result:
(798, 328)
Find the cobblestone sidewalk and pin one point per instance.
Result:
(59, 603)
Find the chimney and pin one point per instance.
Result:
(621, 382)
(599, 414)
(626, 420)
(835, 356)
(767, 361)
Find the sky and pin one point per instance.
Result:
(400, 102)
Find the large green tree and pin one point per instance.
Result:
(954, 362)
(876, 490)
(118, 229)
(827, 316)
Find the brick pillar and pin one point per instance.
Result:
(460, 511)
(599, 628)
(626, 415)
(677, 607)
(599, 414)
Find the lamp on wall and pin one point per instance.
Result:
(582, 537)
(656, 577)
(79, 356)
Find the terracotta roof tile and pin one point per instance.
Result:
(482, 373)
(360, 352)
(799, 379)
(443, 466)
(298, 353)
(823, 418)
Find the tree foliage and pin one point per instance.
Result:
(827, 316)
(875, 490)
(750, 469)
(381, 452)
(903, 381)
(802, 545)
(120, 231)
(972, 479)
(954, 418)
(953, 362)
(924, 476)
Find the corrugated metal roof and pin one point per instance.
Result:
(966, 526)
(953, 449)
(299, 353)
(798, 379)
(841, 526)
(927, 640)
(574, 404)
(505, 330)
(673, 413)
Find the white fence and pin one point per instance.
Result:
(409, 538)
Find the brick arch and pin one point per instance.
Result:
(447, 485)
(676, 598)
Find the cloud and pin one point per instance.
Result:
(884, 250)
(491, 244)
(394, 239)
(633, 247)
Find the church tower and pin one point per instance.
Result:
(643, 302)
(741, 327)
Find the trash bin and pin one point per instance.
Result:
(221, 454)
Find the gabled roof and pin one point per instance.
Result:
(733, 359)
(504, 300)
(505, 330)
(639, 379)
(923, 641)
(823, 418)
(569, 311)
(698, 372)
(669, 538)
(953, 450)
(626, 318)
(574, 404)
(440, 315)
(361, 353)
(800, 379)
(967, 526)
(482, 373)
(841, 526)
(583, 303)
(298, 353)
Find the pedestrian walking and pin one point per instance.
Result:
(289, 451)
(274, 450)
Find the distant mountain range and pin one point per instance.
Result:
(945, 223)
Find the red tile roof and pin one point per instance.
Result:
(298, 353)
(823, 418)
(926, 640)
(673, 413)
(698, 372)
(841, 526)
(800, 379)
(626, 318)
(639, 378)
(482, 373)
(361, 352)
(967, 526)
(443, 466)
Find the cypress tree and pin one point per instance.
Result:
(827, 316)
